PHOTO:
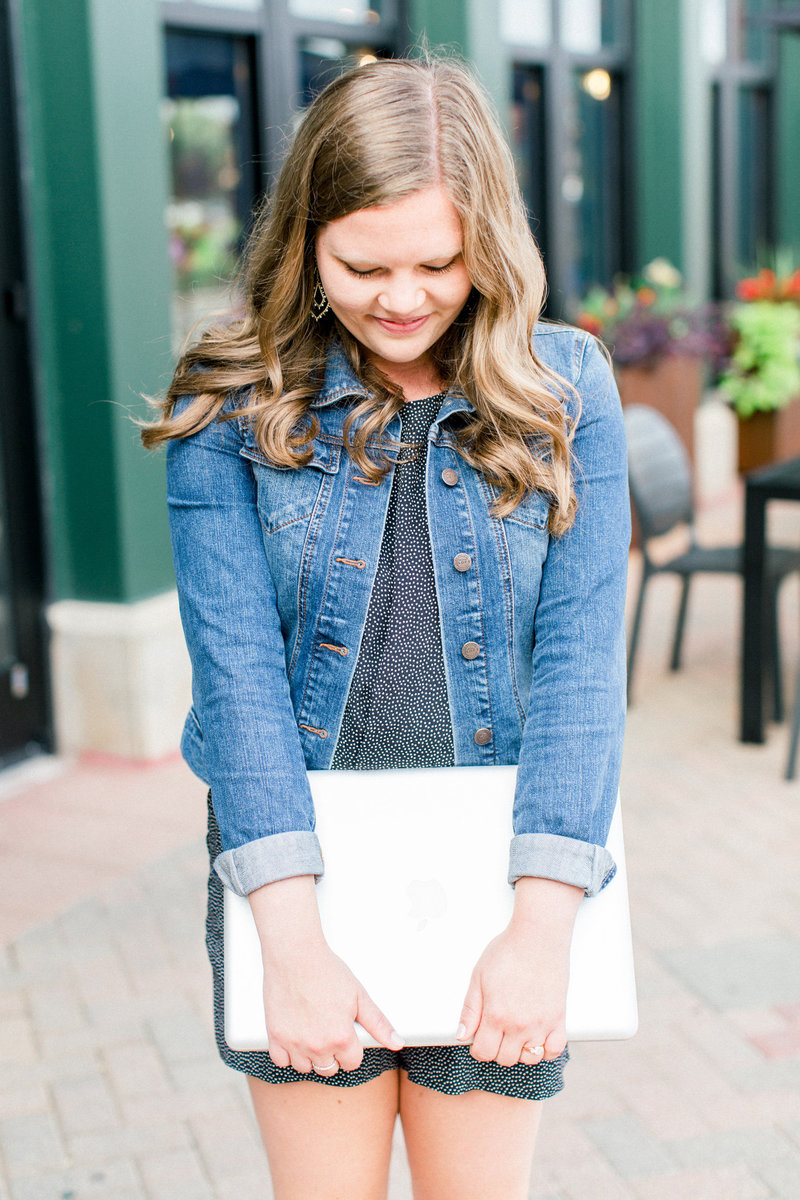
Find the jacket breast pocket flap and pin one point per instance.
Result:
(287, 495)
(533, 510)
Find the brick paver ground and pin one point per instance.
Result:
(110, 1088)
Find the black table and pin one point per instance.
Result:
(780, 481)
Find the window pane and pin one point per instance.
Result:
(592, 188)
(528, 143)
(755, 37)
(713, 30)
(7, 652)
(249, 5)
(322, 59)
(526, 22)
(588, 25)
(367, 12)
(755, 174)
(208, 115)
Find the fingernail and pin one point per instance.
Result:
(461, 1032)
(396, 1040)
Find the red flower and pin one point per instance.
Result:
(590, 323)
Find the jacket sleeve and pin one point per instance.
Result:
(251, 753)
(571, 750)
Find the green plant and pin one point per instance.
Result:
(763, 372)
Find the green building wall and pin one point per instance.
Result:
(657, 130)
(788, 138)
(97, 187)
(93, 79)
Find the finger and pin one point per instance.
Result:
(554, 1046)
(486, 1043)
(471, 1011)
(278, 1054)
(350, 1059)
(327, 1068)
(370, 1017)
(531, 1053)
(301, 1063)
(509, 1051)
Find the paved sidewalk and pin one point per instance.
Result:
(109, 1082)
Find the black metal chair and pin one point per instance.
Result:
(660, 480)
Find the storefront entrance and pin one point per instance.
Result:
(23, 705)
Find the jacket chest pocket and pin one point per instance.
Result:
(533, 511)
(289, 495)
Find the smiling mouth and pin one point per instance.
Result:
(410, 326)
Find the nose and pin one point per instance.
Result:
(401, 297)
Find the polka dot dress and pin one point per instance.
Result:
(397, 715)
(397, 712)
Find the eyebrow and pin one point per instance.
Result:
(364, 264)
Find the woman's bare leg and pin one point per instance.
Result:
(329, 1143)
(476, 1146)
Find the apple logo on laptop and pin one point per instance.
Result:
(428, 901)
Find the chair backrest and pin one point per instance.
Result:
(658, 471)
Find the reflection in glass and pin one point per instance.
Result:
(755, 40)
(713, 31)
(208, 119)
(322, 59)
(365, 12)
(588, 25)
(526, 22)
(592, 186)
(755, 175)
(248, 5)
(7, 652)
(528, 144)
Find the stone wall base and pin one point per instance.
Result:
(121, 677)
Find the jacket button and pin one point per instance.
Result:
(449, 476)
(483, 737)
(470, 650)
(462, 562)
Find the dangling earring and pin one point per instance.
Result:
(320, 304)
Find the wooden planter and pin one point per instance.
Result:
(767, 437)
(673, 386)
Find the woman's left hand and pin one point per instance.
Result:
(517, 994)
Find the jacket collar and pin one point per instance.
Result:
(341, 381)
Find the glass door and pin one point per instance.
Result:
(23, 706)
(211, 126)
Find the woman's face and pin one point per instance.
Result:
(395, 277)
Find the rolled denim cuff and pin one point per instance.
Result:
(279, 856)
(551, 856)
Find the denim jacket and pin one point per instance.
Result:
(275, 567)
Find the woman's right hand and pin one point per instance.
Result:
(311, 997)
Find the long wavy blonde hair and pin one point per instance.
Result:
(376, 135)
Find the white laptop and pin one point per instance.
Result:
(415, 886)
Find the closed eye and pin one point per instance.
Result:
(432, 270)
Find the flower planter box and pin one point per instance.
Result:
(768, 437)
(673, 386)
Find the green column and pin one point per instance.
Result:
(97, 188)
(657, 130)
(440, 22)
(788, 160)
(472, 29)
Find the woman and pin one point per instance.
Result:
(399, 517)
